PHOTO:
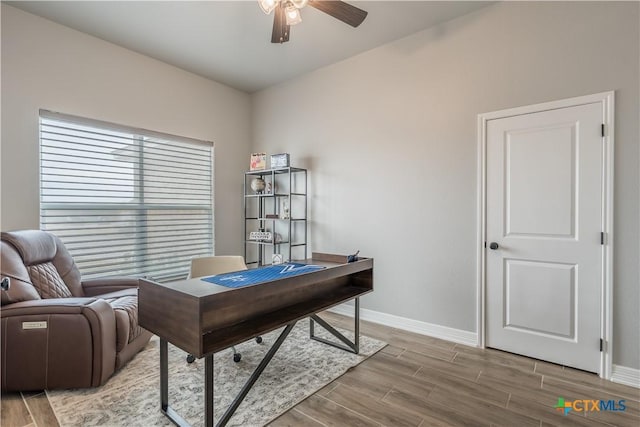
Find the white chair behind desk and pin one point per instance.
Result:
(210, 265)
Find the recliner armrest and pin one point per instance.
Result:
(60, 341)
(93, 287)
(53, 306)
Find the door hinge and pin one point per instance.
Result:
(601, 344)
(602, 237)
(485, 245)
(602, 130)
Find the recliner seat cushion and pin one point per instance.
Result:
(126, 311)
(47, 281)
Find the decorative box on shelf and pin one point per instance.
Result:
(280, 160)
(260, 235)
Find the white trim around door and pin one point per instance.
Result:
(607, 101)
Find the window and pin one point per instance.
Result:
(125, 201)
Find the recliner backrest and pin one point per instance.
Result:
(11, 266)
(49, 266)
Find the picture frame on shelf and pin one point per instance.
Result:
(258, 161)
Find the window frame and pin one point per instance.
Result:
(140, 135)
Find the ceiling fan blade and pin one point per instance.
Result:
(280, 33)
(340, 10)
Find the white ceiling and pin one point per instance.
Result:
(229, 41)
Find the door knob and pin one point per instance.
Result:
(494, 246)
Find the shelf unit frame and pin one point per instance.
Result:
(259, 217)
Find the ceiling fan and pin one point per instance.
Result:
(287, 13)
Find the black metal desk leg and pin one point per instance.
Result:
(208, 390)
(173, 416)
(255, 375)
(164, 376)
(357, 326)
(353, 347)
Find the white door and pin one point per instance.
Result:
(544, 213)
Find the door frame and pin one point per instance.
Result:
(606, 301)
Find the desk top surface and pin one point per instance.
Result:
(197, 287)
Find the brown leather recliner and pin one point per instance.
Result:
(59, 331)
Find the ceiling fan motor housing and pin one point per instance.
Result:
(286, 14)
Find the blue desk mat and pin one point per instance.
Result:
(238, 279)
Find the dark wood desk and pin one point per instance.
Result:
(202, 318)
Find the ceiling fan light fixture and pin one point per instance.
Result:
(287, 13)
(268, 5)
(293, 14)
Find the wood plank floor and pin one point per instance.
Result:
(422, 381)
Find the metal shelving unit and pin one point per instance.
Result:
(289, 235)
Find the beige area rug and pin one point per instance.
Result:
(132, 397)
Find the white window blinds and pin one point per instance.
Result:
(125, 201)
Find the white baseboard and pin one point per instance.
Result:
(626, 376)
(424, 328)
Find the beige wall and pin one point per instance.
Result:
(46, 65)
(390, 139)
